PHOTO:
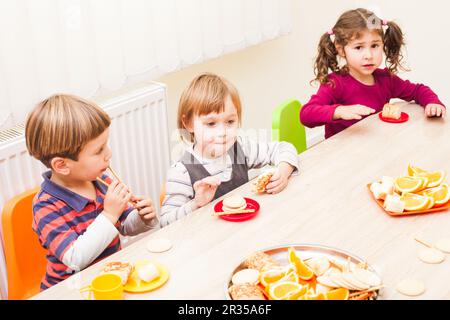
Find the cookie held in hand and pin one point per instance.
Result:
(261, 182)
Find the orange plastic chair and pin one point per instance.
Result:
(25, 257)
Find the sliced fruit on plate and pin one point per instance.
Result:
(291, 276)
(297, 294)
(412, 170)
(303, 271)
(272, 276)
(441, 194)
(337, 294)
(282, 290)
(431, 203)
(414, 202)
(319, 296)
(408, 184)
(435, 178)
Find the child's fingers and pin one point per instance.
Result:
(273, 183)
(136, 198)
(150, 216)
(122, 191)
(353, 116)
(433, 111)
(212, 181)
(145, 211)
(275, 189)
(363, 110)
(112, 187)
(146, 203)
(276, 175)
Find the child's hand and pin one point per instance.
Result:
(145, 208)
(435, 110)
(116, 199)
(354, 112)
(205, 190)
(280, 178)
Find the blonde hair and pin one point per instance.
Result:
(205, 94)
(61, 125)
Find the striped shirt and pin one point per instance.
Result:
(62, 217)
(179, 189)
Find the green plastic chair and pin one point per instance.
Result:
(286, 125)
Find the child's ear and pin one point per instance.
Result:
(59, 165)
(189, 127)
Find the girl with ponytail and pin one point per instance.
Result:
(360, 88)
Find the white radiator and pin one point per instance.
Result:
(139, 140)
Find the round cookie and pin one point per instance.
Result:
(246, 276)
(411, 287)
(431, 255)
(159, 245)
(233, 203)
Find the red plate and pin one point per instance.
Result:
(403, 118)
(251, 204)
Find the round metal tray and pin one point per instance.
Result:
(305, 251)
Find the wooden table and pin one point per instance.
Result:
(327, 204)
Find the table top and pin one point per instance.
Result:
(328, 203)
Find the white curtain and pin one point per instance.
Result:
(89, 47)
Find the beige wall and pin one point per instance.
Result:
(271, 72)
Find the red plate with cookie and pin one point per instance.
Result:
(236, 209)
(403, 118)
(391, 113)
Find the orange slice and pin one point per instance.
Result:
(337, 294)
(282, 290)
(412, 170)
(441, 194)
(431, 203)
(297, 294)
(408, 184)
(303, 271)
(271, 276)
(435, 178)
(414, 201)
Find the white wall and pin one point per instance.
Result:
(273, 71)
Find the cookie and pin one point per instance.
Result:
(159, 245)
(431, 255)
(411, 287)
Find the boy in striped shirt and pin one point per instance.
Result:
(77, 219)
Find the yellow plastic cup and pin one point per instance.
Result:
(106, 286)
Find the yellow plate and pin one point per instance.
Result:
(135, 286)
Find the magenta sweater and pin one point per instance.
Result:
(349, 91)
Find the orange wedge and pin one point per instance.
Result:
(414, 202)
(408, 184)
(441, 194)
(435, 178)
(297, 294)
(303, 271)
(337, 294)
(282, 290)
(431, 203)
(271, 276)
(412, 170)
